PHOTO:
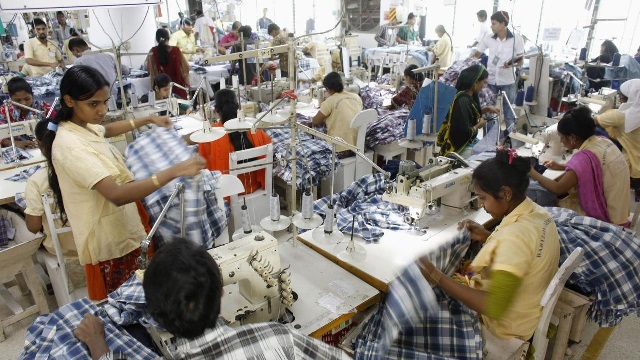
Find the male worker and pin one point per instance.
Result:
(203, 23)
(63, 31)
(184, 39)
(264, 21)
(386, 36)
(41, 54)
(279, 38)
(485, 28)
(407, 34)
(228, 40)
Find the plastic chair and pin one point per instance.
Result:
(55, 264)
(239, 164)
(229, 185)
(515, 348)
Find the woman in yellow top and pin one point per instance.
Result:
(597, 175)
(443, 50)
(518, 259)
(98, 190)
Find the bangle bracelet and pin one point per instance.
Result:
(436, 280)
(155, 181)
(133, 124)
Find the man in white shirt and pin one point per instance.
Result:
(506, 51)
(485, 28)
(203, 23)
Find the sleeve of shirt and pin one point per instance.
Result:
(611, 118)
(327, 107)
(83, 166)
(32, 197)
(380, 35)
(28, 50)
(513, 255)
(483, 45)
(440, 47)
(173, 40)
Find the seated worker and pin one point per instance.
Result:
(407, 34)
(460, 127)
(280, 38)
(184, 39)
(517, 261)
(443, 50)
(38, 184)
(596, 74)
(183, 290)
(21, 92)
(20, 51)
(596, 177)
(161, 87)
(250, 69)
(337, 112)
(386, 35)
(623, 124)
(217, 152)
(68, 54)
(103, 62)
(43, 55)
(229, 40)
(409, 93)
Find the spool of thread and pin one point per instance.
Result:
(520, 98)
(274, 207)
(246, 222)
(134, 99)
(583, 54)
(616, 59)
(307, 205)
(240, 115)
(235, 81)
(411, 129)
(278, 73)
(426, 124)
(531, 92)
(112, 104)
(328, 220)
(152, 98)
(223, 83)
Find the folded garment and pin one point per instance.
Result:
(127, 305)
(24, 175)
(8, 155)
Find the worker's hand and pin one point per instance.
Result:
(478, 232)
(26, 144)
(491, 109)
(481, 123)
(429, 271)
(162, 121)
(190, 167)
(429, 48)
(90, 331)
(553, 165)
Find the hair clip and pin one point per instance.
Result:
(53, 127)
(512, 155)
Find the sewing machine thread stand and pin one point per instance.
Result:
(247, 228)
(350, 251)
(329, 233)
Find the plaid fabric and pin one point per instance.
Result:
(373, 97)
(418, 322)
(8, 156)
(450, 77)
(4, 231)
(157, 150)
(20, 201)
(51, 335)
(362, 199)
(127, 305)
(25, 174)
(308, 63)
(387, 129)
(610, 268)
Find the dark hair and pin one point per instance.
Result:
(161, 80)
(245, 30)
(183, 289)
(162, 37)
(609, 48)
(38, 22)
(21, 47)
(58, 13)
(482, 14)
(501, 17)
(411, 16)
(272, 27)
(441, 28)
(494, 174)
(577, 122)
(227, 106)
(18, 84)
(236, 25)
(80, 83)
(408, 72)
(199, 13)
(77, 43)
(185, 22)
(333, 81)
(41, 129)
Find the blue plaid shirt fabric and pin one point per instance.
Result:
(8, 156)
(610, 267)
(158, 150)
(387, 129)
(418, 322)
(363, 199)
(127, 305)
(51, 335)
(25, 174)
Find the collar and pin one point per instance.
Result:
(91, 133)
(509, 35)
(591, 139)
(524, 208)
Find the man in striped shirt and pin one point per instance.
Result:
(386, 36)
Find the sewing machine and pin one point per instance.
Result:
(321, 94)
(443, 183)
(256, 289)
(26, 127)
(268, 90)
(599, 102)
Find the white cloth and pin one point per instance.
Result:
(631, 109)
(501, 51)
(204, 20)
(485, 30)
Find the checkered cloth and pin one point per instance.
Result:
(25, 174)
(418, 322)
(372, 98)
(127, 305)
(610, 268)
(387, 129)
(363, 199)
(158, 150)
(450, 77)
(8, 156)
(51, 335)
(20, 200)
(307, 64)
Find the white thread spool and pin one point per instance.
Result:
(240, 115)
(112, 104)
(274, 207)
(235, 81)
(284, 277)
(411, 129)
(278, 73)
(307, 205)
(328, 220)
(134, 99)
(152, 98)
(246, 223)
(426, 122)
(223, 83)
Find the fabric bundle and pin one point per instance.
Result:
(388, 128)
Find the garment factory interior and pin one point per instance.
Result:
(297, 179)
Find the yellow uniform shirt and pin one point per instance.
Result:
(34, 49)
(340, 109)
(613, 122)
(37, 185)
(443, 51)
(186, 43)
(102, 231)
(615, 181)
(525, 244)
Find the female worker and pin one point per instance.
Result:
(409, 93)
(443, 50)
(161, 88)
(168, 60)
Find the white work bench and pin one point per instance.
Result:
(8, 189)
(36, 157)
(396, 249)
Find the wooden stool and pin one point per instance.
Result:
(571, 309)
(16, 261)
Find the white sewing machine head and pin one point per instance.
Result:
(443, 183)
(268, 90)
(25, 127)
(599, 102)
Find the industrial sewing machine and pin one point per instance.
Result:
(443, 183)
(268, 91)
(599, 102)
(256, 288)
(26, 127)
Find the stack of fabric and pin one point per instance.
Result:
(127, 305)
(388, 128)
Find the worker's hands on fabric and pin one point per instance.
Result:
(481, 123)
(429, 271)
(477, 231)
(26, 144)
(162, 121)
(190, 167)
(553, 165)
(491, 109)
(90, 331)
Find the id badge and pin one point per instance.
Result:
(52, 54)
(495, 61)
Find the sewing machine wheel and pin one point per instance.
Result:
(408, 219)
